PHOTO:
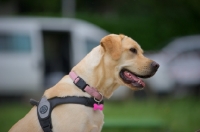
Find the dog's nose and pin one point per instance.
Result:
(155, 66)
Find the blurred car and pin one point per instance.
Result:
(179, 65)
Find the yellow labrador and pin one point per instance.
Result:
(118, 60)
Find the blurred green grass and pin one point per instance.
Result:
(177, 115)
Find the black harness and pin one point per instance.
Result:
(45, 106)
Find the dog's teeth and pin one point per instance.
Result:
(139, 81)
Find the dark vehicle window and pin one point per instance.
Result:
(15, 43)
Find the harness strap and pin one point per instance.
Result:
(45, 107)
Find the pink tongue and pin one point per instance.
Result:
(131, 76)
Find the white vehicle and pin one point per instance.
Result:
(35, 53)
(179, 65)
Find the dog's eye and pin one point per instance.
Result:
(133, 50)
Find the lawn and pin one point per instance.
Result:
(174, 115)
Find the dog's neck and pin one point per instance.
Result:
(94, 69)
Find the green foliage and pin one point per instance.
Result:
(38, 6)
(151, 23)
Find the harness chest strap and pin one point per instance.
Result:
(45, 107)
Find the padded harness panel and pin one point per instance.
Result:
(45, 107)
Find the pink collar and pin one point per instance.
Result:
(80, 83)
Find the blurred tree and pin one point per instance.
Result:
(149, 22)
(38, 7)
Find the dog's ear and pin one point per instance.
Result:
(112, 44)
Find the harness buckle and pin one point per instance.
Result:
(80, 83)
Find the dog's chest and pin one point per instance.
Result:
(72, 117)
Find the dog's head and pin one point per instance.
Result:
(127, 59)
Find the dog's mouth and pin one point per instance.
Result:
(132, 79)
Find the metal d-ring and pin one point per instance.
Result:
(98, 101)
